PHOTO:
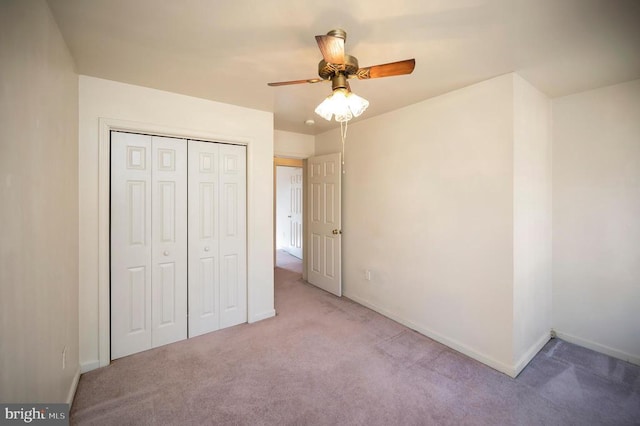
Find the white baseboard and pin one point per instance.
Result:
(259, 317)
(533, 350)
(453, 344)
(89, 365)
(74, 387)
(633, 359)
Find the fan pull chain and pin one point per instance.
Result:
(343, 135)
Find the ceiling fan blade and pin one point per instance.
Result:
(286, 83)
(332, 48)
(387, 70)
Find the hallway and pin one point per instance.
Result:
(286, 261)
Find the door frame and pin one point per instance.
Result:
(291, 162)
(106, 125)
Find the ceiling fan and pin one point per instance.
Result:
(337, 67)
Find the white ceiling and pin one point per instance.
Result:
(228, 50)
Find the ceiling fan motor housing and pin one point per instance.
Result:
(327, 70)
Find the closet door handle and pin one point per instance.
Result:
(206, 248)
(166, 253)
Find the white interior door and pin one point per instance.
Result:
(295, 214)
(217, 236)
(148, 242)
(324, 268)
(283, 205)
(169, 240)
(233, 235)
(157, 261)
(204, 259)
(130, 244)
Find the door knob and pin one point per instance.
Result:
(336, 231)
(289, 216)
(206, 248)
(166, 253)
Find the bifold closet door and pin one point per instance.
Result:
(217, 236)
(148, 242)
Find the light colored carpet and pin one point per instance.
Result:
(286, 261)
(325, 360)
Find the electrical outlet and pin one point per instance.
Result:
(64, 358)
(367, 274)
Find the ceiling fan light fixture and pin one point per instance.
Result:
(343, 105)
(340, 105)
(325, 109)
(357, 104)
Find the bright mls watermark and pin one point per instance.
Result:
(37, 414)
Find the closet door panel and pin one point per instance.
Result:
(233, 235)
(131, 241)
(178, 240)
(204, 260)
(169, 237)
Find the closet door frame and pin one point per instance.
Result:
(106, 126)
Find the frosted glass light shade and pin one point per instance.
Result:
(357, 105)
(340, 106)
(343, 105)
(325, 110)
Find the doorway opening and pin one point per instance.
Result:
(289, 214)
(321, 217)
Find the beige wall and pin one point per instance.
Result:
(177, 115)
(38, 207)
(293, 145)
(575, 251)
(448, 203)
(596, 219)
(532, 284)
(428, 208)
